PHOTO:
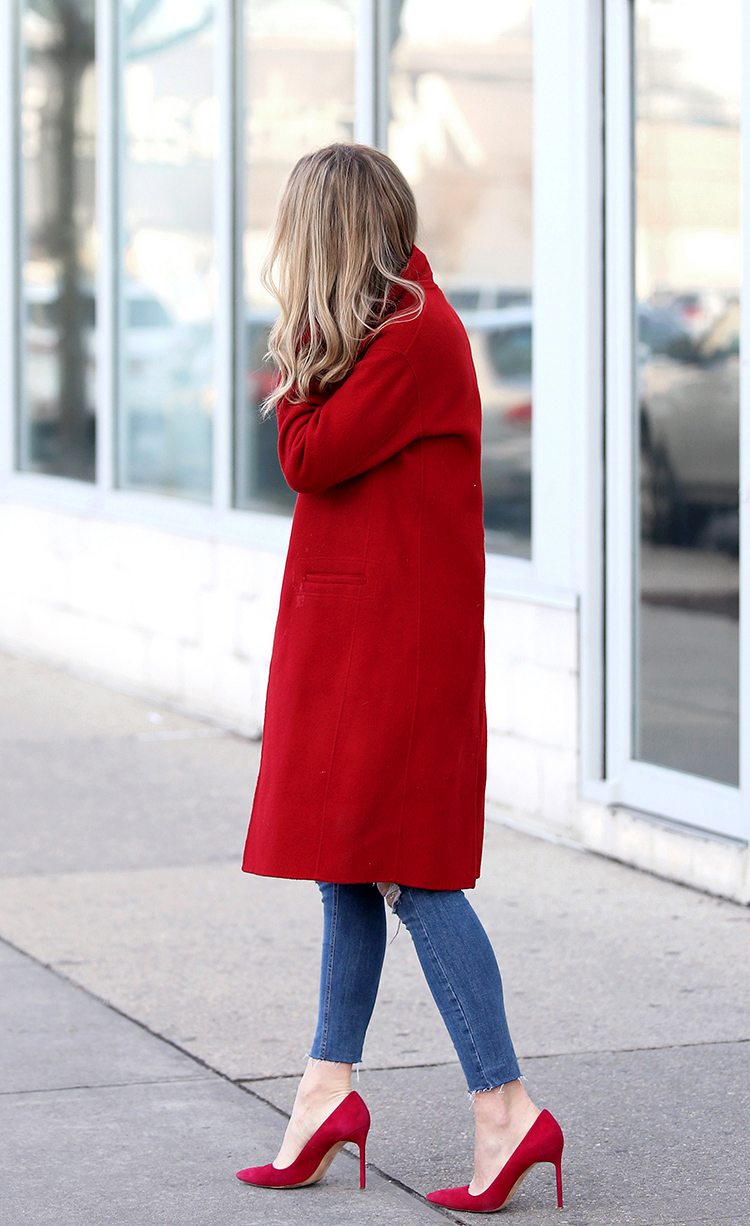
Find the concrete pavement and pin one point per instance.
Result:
(157, 1004)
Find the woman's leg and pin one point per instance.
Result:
(462, 973)
(354, 936)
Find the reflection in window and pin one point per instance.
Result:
(299, 95)
(58, 268)
(687, 277)
(167, 288)
(461, 130)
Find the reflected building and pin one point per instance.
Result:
(57, 291)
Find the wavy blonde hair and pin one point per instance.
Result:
(344, 232)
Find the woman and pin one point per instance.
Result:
(373, 767)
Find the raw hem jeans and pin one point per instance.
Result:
(458, 963)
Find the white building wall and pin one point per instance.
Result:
(532, 711)
(190, 621)
(181, 618)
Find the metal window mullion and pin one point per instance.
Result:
(107, 178)
(9, 216)
(744, 502)
(119, 419)
(619, 385)
(240, 441)
(586, 513)
(382, 63)
(225, 226)
(366, 73)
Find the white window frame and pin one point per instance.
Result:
(689, 800)
(8, 214)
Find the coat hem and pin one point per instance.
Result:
(421, 884)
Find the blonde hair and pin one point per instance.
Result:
(344, 232)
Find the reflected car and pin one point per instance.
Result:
(689, 429)
(42, 376)
(260, 481)
(157, 350)
(501, 345)
(693, 312)
(485, 297)
(167, 376)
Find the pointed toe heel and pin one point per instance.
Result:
(543, 1143)
(349, 1122)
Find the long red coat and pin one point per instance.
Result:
(374, 748)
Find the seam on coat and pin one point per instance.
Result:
(397, 848)
(418, 320)
(343, 697)
(363, 459)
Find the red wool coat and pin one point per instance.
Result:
(374, 747)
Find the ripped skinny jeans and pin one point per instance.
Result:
(457, 960)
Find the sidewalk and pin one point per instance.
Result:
(157, 1003)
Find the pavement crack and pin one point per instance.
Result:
(106, 1085)
(392, 1179)
(370, 1068)
(619, 1051)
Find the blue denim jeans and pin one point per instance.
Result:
(458, 963)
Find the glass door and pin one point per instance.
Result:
(673, 408)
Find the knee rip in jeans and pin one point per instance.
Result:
(390, 891)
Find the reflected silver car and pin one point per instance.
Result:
(689, 429)
(501, 344)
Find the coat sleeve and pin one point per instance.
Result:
(373, 415)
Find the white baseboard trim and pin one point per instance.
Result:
(712, 864)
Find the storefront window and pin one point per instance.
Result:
(460, 103)
(687, 281)
(58, 240)
(299, 95)
(167, 278)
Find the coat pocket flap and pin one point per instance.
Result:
(350, 578)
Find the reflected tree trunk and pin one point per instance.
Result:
(74, 54)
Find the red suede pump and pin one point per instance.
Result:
(349, 1122)
(542, 1143)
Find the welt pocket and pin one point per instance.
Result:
(332, 576)
(346, 578)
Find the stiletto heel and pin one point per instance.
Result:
(349, 1122)
(542, 1143)
(558, 1172)
(361, 1141)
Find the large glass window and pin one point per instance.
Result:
(687, 279)
(168, 277)
(454, 106)
(299, 94)
(460, 105)
(57, 237)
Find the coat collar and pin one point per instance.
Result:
(418, 268)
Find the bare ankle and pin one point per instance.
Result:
(323, 1086)
(323, 1080)
(503, 1106)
